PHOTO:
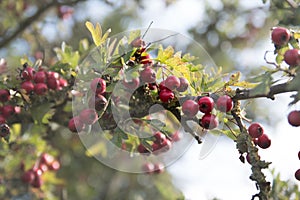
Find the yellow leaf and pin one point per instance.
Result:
(95, 31)
(234, 78)
(245, 84)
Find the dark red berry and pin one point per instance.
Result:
(166, 145)
(98, 85)
(53, 83)
(40, 88)
(28, 176)
(297, 174)
(148, 75)
(292, 57)
(37, 182)
(166, 95)
(184, 84)
(4, 95)
(2, 119)
(63, 82)
(142, 149)
(98, 102)
(53, 75)
(40, 77)
(263, 141)
(75, 125)
(28, 86)
(299, 155)
(159, 137)
(4, 130)
(255, 130)
(88, 116)
(28, 73)
(172, 82)
(190, 108)
(209, 121)
(132, 84)
(280, 35)
(294, 118)
(8, 111)
(224, 103)
(206, 104)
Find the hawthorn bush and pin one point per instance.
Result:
(131, 101)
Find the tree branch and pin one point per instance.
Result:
(275, 89)
(30, 20)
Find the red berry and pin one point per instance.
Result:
(206, 104)
(299, 155)
(148, 75)
(148, 168)
(190, 108)
(98, 85)
(28, 86)
(166, 95)
(53, 75)
(53, 83)
(166, 145)
(292, 57)
(40, 77)
(209, 121)
(40, 88)
(155, 148)
(255, 130)
(280, 35)
(75, 125)
(294, 118)
(162, 86)
(142, 149)
(4, 130)
(159, 168)
(159, 137)
(224, 103)
(184, 84)
(8, 111)
(4, 95)
(248, 158)
(28, 176)
(132, 84)
(172, 82)
(63, 82)
(28, 73)
(98, 102)
(297, 174)
(176, 136)
(47, 159)
(263, 141)
(2, 119)
(88, 116)
(55, 165)
(37, 182)
(43, 167)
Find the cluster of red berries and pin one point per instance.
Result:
(96, 103)
(260, 139)
(161, 143)
(32, 176)
(6, 111)
(151, 168)
(39, 82)
(258, 136)
(206, 105)
(280, 37)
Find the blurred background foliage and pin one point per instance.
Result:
(228, 30)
